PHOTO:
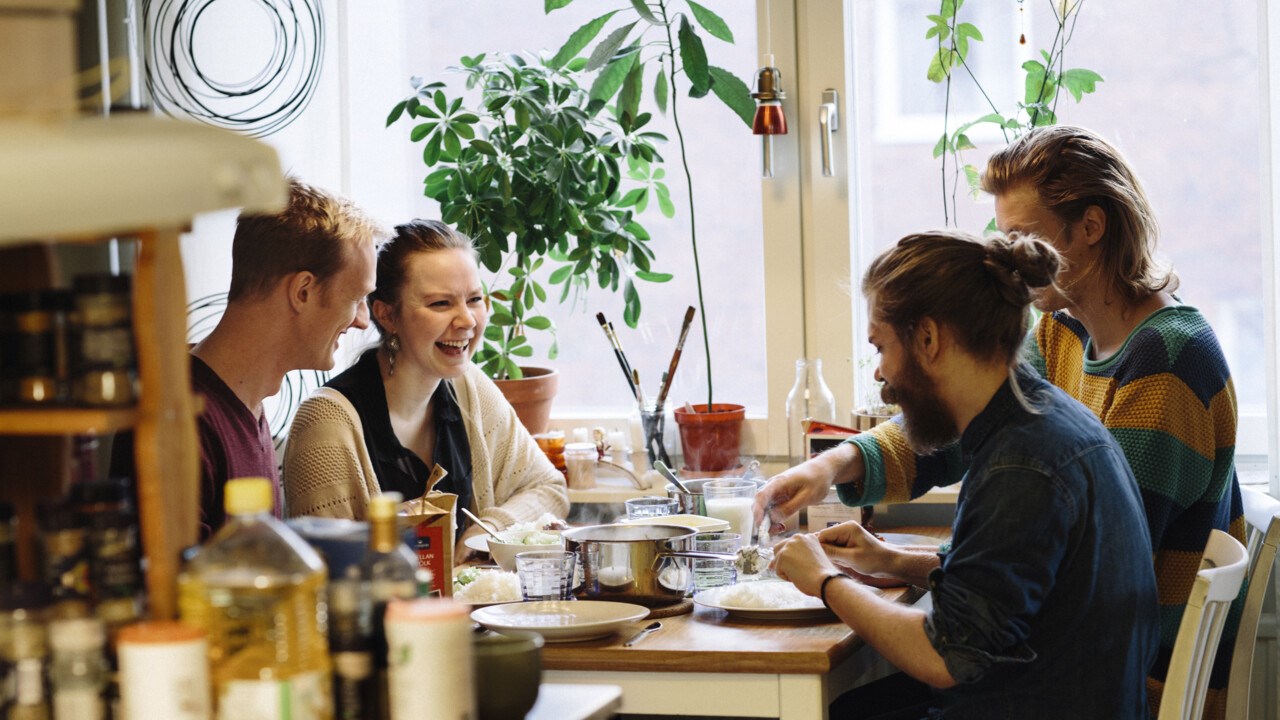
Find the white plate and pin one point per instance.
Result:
(561, 620)
(813, 608)
(908, 539)
(479, 543)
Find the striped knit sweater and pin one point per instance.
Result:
(1168, 400)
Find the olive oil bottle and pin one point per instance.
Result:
(258, 591)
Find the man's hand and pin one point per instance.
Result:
(852, 546)
(801, 560)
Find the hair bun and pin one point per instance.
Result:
(1021, 258)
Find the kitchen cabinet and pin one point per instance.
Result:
(87, 180)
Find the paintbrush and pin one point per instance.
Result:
(617, 352)
(675, 357)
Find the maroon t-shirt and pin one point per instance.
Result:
(233, 444)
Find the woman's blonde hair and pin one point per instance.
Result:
(1071, 169)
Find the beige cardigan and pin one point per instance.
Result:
(328, 473)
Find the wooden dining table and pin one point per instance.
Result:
(710, 663)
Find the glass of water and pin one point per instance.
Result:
(708, 573)
(645, 507)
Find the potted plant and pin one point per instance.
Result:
(535, 175)
(655, 44)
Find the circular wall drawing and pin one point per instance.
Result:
(246, 65)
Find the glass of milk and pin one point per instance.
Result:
(730, 499)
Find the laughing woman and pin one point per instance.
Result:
(416, 401)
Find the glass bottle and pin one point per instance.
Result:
(78, 669)
(354, 685)
(809, 399)
(389, 568)
(258, 590)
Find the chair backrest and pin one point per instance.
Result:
(1222, 571)
(1262, 515)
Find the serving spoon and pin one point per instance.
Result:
(483, 526)
(665, 471)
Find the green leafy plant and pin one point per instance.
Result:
(1043, 86)
(655, 44)
(534, 174)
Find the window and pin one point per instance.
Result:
(728, 195)
(1189, 121)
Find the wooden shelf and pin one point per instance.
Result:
(65, 421)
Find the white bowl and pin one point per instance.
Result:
(504, 553)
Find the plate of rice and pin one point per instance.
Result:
(482, 587)
(764, 600)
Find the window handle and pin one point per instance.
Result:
(828, 122)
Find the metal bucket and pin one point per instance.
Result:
(644, 564)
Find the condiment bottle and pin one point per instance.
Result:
(258, 590)
(115, 569)
(355, 688)
(164, 672)
(428, 637)
(78, 669)
(40, 332)
(389, 568)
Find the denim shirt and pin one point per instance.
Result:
(1045, 605)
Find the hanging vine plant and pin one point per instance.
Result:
(1045, 79)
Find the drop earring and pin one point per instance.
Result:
(393, 347)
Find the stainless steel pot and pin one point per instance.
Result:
(644, 564)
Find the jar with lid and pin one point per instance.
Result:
(78, 669)
(39, 341)
(580, 460)
(105, 370)
(8, 544)
(24, 649)
(115, 570)
(64, 556)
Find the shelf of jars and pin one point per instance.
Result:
(143, 177)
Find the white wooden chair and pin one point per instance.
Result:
(1222, 571)
(1262, 516)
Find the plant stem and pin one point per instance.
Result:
(693, 223)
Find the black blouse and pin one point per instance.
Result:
(398, 468)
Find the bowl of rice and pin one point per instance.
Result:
(481, 586)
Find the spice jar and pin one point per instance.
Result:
(580, 460)
(8, 544)
(105, 369)
(164, 672)
(78, 670)
(115, 570)
(65, 557)
(552, 445)
(25, 649)
(39, 335)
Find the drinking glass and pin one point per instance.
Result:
(645, 507)
(730, 499)
(715, 573)
(546, 574)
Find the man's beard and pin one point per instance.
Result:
(925, 419)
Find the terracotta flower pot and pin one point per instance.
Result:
(710, 440)
(531, 396)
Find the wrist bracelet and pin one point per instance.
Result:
(822, 591)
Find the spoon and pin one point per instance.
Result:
(665, 471)
(655, 625)
(492, 533)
